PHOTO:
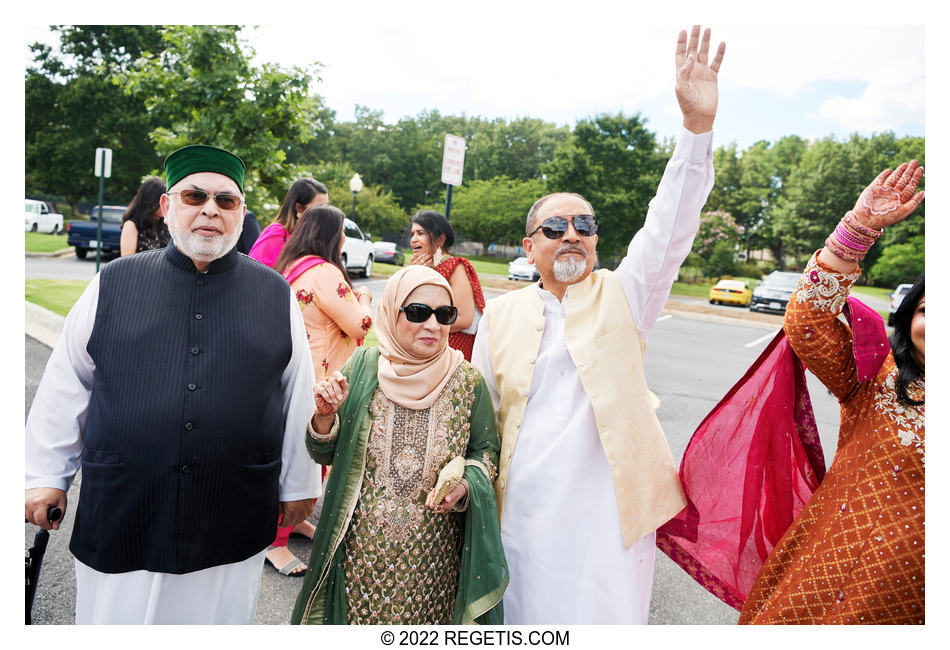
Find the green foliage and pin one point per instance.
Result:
(202, 89)
(899, 263)
(613, 161)
(73, 107)
(494, 211)
(715, 227)
(722, 260)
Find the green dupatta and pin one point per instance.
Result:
(483, 572)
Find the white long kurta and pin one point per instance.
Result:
(560, 528)
(221, 594)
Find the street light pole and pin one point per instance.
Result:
(356, 184)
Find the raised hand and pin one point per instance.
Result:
(890, 198)
(697, 86)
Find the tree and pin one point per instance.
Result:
(73, 107)
(494, 211)
(202, 89)
(900, 263)
(613, 161)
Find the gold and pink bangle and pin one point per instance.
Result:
(851, 240)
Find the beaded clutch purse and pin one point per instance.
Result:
(449, 477)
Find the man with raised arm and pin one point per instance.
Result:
(586, 475)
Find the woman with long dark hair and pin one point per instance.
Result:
(143, 225)
(336, 317)
(767, 529)
(431, 238)
(855, 553)
(305, 193)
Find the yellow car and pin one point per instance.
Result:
(736, 292)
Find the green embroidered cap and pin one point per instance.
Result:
(203, 158)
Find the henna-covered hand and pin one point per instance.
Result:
(890, 198)
(697, 86)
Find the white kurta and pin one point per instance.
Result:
(560, 528)
(222, 594)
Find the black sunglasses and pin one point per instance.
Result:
(416, 312)
(555, 227)
(224, 200)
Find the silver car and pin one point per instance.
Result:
(522, 269)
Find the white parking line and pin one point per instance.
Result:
(761, 339)
(664, 317)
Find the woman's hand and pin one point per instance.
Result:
(449, 501)
(330, 393)
(890, 197)
(419, 257)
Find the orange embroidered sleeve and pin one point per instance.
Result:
(820, 339)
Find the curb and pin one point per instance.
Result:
(42, 324)
(725, 320)
(63, 252)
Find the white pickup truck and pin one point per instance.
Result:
(40, 219)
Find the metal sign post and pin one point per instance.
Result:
(103, 171)
(453, 160)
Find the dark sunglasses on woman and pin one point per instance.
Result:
(555, 227)
(416, 312)
(224, 200)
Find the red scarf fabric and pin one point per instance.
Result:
(754, 462)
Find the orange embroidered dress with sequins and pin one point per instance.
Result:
(855, 553)
(336, 322)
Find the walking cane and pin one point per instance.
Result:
(34, 560)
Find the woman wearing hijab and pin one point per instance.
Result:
(387, 551)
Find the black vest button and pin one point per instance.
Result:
(191, 387)
(195, 350)
(198, 316)
(185, 469)
(200, 282)
(189, 426)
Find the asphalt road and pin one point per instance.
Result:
(690, 364)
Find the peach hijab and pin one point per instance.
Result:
(410, 381)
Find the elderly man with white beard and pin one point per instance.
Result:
(585, 474)
(182, 385)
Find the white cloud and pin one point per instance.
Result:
(894, 95)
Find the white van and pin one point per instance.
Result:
(357, 250)
(40, 219)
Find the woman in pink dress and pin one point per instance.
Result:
(305, 193)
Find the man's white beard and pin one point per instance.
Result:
(571, 269)
(200, 248)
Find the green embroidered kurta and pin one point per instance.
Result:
(379, 555)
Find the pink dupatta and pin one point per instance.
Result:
(754, 462)
(303, 264)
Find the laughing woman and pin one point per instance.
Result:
(431, 237)
(388, 550)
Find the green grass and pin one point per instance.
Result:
(382, 268)
(56, 295)
(877, 292)
(38, 242)
(491, 265)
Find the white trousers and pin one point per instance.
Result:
(225, 594)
